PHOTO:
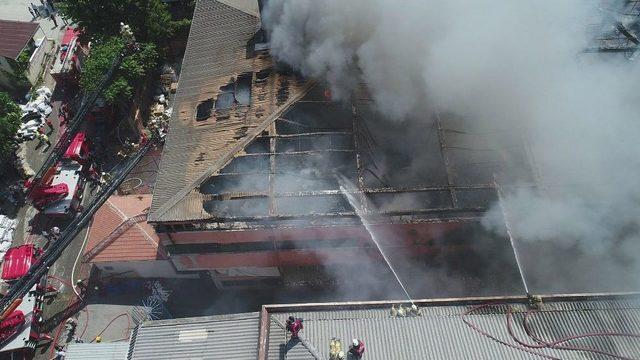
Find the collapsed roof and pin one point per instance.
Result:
(251, 141)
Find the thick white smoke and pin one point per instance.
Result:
(501, 64)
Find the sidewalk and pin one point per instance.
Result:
(18, 10)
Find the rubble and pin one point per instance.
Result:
(161, 109)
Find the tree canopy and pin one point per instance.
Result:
(9, 124)
(133, 68)
(149, 20)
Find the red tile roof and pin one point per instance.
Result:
(15, 36)
(138, 242)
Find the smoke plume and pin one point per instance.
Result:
(514, 66)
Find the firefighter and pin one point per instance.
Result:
(43, 138)
(294, 326)
(357, 348)
(105, 178)
(414, 310)
(60, 353)
(82, 286)
(50, 125)
(55, 233)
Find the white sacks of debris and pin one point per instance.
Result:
(44, 91)
(34, 113)
(7, 227)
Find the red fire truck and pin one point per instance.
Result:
(68, 62)
(20, 324)
(60, 191)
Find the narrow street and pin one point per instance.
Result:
(30, 225)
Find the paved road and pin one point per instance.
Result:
(17, 10)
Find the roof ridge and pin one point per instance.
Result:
(121, 213)
(242, 144)
(244, 7)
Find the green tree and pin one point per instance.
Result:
(9, 125)
(149, 20)
(132, 70)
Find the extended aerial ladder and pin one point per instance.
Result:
(74, 125)
(23, 285)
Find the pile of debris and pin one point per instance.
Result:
(7, 227)
(34, 114)
(160, 110)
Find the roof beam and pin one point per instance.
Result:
(445, 158)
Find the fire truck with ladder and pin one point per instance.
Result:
(56, 190)
(59, 192)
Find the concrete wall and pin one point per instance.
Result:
(38, 59)
(410, 239)
(4, 80)
(141, 269)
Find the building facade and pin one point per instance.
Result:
(266, 179)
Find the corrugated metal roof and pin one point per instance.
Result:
(216, 53)
(231, 337)
(102, 351)
(15, 36)
(440, 332)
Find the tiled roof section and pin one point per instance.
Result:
(138, 242)
(194, 150)
(230, 337)
(15, 36)
(440, 332)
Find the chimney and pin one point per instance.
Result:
(261, 38)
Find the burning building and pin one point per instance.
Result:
(249, 183)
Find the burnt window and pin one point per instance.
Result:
(225, 98)
(243, 89)
(203, 110)
(237, 92)
(263, 75)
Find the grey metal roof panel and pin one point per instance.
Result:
(102, 351)
(440, 332)
(219, 33)
(233, 337)
(194, 150)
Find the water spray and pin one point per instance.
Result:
(354, 204)
(511, 238)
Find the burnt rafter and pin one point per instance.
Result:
(254, 194)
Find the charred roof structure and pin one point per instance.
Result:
(253, 144)
(617, 30)
(249, 185)
(251, 179)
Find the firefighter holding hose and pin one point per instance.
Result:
(357, 348)
(294, 325)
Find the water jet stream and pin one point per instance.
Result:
(355, 205)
